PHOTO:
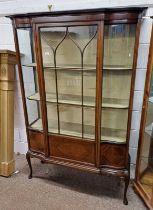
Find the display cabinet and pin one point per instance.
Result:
(144, 165)
(77, 72)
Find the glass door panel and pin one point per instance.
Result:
(114, 124)
(69, 63)
(52, 117)
(146, 156)
(30, 78)
(69, 87)
(70, 120)
(119, 43)
(89, 122)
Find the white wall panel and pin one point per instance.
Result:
(20, 147)
(133, 154)
(21, 6)
(6, 35)
(134, 136)
(143, 52)
(140, 79)
(145, 32)
(135, 124)
(137, 101)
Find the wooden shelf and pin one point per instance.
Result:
(75, 129)
(76, 100)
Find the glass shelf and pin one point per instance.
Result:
(113, 135)
(65, 99)
(146, 181)
(75, 68)
(117, 67)
(72, 129)
(76, 100)
(115, 103)
(37, 125)
(145, 159)
(151, 99)
(149, 129)
(146, 177)
(29, 65)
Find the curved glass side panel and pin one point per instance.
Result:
(30, 78)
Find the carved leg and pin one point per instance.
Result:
(127, 180)
(42, 161)
(29, 163)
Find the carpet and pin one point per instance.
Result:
(61, 188)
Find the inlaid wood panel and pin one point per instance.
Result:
(36, 140)
(72, 148)
(112, 155)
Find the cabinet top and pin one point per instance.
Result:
(80, 12)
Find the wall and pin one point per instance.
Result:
(7, 42)
(22, 6)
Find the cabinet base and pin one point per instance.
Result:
(122, 173)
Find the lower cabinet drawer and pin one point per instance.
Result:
(72, 149)
(112, 155)
(37, 141)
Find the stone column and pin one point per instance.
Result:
(7, 76)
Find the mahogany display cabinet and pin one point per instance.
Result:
(144, 164)
(77, 77)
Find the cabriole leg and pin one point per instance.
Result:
(30, 166)
(42, 161)
(126, 179)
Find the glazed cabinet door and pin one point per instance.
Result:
(119, 42)
(68, 55)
